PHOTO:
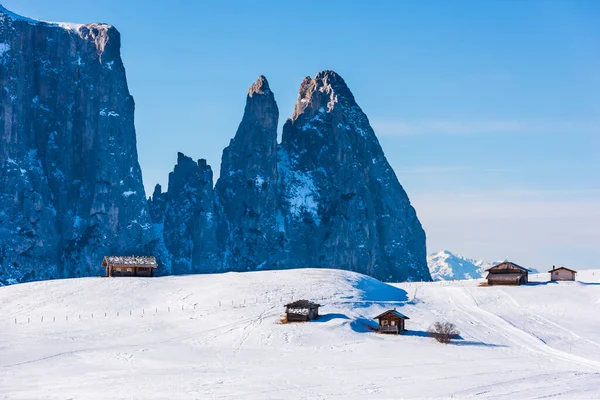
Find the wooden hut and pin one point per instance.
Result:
(562, 274)
(391, 321)
(129, 266)
(507, 273)
(301, 310)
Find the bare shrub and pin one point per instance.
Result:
(443, 332)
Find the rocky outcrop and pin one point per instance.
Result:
(70, 183)
(325, 197)
(185, 217)
(247, 194)
(343, 205)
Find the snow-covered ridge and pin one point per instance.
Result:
(70, 26)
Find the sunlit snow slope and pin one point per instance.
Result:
(536, 341)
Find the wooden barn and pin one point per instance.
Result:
(129, 265)
(507, 273)
(301, 310)
(391, 321)
(562, 274)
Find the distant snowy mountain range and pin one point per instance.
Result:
(447, 266)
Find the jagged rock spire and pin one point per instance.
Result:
(261, 86)
(247, 187)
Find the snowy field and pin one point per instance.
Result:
(219, 336)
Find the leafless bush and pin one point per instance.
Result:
(443, 332)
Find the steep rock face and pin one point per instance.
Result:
(70, 183)
(247, 187)
(185, 217)
(343, 205)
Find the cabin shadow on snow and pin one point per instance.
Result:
(363, 325)
(330, 317)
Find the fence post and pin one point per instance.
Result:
(105, 314)
(182, 307)
(219, 303)
(79, 316)
(92, 315)
(66, 317)
(53, 319)
(129, 312)
(27, 319)
(15, 320)
(42, 319)
(143, 311)
(117, 313)
(169, 309)
(157, 310)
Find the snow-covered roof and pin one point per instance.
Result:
(565, 268)
(392, 312)
(302, 304)
(511, 264)
(129, 261)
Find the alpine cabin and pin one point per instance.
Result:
(129, 266)
(391, 321)
(562, 274)
(507, 273)
(301, 310)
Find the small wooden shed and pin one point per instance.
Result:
(301, 310)
(507, 273)
(562, 274)
(391, 321)
(129, 265)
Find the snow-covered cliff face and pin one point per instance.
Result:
(70, 183)
(325, 197)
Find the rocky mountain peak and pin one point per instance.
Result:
(261, 86)
(322, 93)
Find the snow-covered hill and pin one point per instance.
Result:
(447, 266)
(219, 336)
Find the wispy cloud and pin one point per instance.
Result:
(445, 127)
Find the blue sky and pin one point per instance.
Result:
(489, 112)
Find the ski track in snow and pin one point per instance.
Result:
(518, 342)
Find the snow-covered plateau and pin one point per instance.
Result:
(220, 336)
